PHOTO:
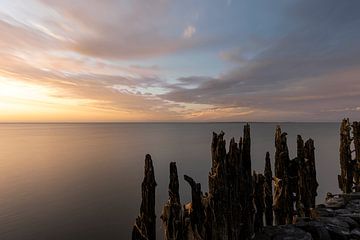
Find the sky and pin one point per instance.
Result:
(185, 60)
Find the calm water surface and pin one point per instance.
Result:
(82, 181)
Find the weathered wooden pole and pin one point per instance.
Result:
(259, 200)
(346, 163)
(246, 198)
(231, 189)
(302, 198)
(311, 172)
(145, 225)
(283, 201)
(356, 139)
(218, 190)
(268, 191)
(196, 228)
(172, 212)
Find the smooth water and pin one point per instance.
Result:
(82, 181)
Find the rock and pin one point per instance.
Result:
(352, 223)
(342, 211)
(334, 201)
(285, 232)
(338, 229)
(355, 234)
(354, 216)
(317, 229)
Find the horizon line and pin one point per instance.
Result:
(156, 122)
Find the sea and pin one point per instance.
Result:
(75, 181)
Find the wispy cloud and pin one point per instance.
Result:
(189, 31)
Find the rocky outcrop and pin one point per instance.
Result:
(332, 222)
(145, 225)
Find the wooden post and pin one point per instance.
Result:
(172, 212)
(283, 202)
(196, 212)
(346, 164)
(356, 137)
(145, 225)
(311, 172)
(268, 191)
(259, 199)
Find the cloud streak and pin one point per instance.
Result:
(125, 60)
(300, 76)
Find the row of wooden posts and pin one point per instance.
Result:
(238, 200)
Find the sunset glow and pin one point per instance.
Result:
(99, 61)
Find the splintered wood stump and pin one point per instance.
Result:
(172, 211)
(346, 164)
(356, 137)
(268, 191)
(145, 225)
(259, 197)
(283, 201)
(303, 198)
(195, 228)
(312, 183)
(307, 182)
(246, 197)
(230, 189)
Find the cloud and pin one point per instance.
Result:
(101, 55)
(310, 69)
(122, 29)
(189, 31)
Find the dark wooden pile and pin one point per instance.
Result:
(349, 178)
(145, 225)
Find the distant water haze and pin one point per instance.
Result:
(83, 181)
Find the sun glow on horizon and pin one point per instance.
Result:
(22, 101)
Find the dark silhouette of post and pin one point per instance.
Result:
(145, 225)
(268, 191)
(172, 212)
